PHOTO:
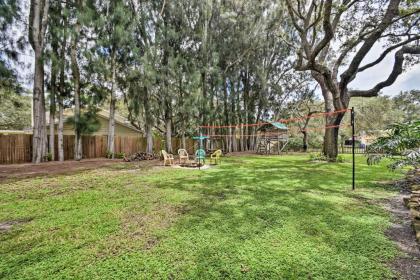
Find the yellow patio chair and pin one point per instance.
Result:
(215, 157)
(167, 158)
(183, 156)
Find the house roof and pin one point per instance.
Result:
(102, 114)
(118, 119)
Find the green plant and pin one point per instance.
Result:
(317, 157)
(402, 145)
(116, 155)
(294, 144)
(340, 158)
(119, 155)
(48, 157)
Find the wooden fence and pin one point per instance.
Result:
(17, 148)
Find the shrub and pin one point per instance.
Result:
(317, 157)
(402, 145)
(340, 158)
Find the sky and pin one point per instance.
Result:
(410, 79)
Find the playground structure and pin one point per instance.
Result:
(272, 137)
(280, 138)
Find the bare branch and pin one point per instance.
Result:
(348, 75)
(384, 53)
(396, 71)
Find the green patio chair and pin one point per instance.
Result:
(200, 156)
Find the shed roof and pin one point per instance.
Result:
(273, 125)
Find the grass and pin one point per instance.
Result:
(250, 218)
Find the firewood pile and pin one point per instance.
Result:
(140, 156)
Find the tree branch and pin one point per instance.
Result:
(396, 71)
(388, 50)
(348, 75)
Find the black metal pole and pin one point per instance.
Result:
(352, 149)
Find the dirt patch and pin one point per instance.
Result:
(8, 225)
(140, 230)
(28, 170)
(401, 232)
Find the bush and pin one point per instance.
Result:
(119, 155)
(340, 158)
(294, 144)
(317, 157)
(315, 142)
(116, 155)
(402, 146)
(48, 157)
(322, 157)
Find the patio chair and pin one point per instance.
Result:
(183, 156)
(215, 157)
(167, 158)
(200, 155)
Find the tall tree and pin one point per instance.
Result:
(355, 27)
(38, 19)
(79, 4)
(113, 28)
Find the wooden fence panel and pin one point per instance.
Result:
(15, 148)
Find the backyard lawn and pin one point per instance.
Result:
(251, 218)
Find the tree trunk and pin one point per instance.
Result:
(183, 141)
(60, 129)
(39, 132)
(62, 94)
(168, 134)
(331, 144)
(305, 141)
(148, 121)
(149, 139)
(76, 81)
(330, 147)
(53, 93)
(38, 16)
(111, 124)
(61, 107)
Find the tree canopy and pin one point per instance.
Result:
(172, 66)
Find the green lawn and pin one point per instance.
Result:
(250, 218)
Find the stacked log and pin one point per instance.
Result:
(140, 156)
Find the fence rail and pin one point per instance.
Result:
(17, 148)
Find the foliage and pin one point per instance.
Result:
(10, 43)
(15, 110)
(249, 218)
(402, 144)
(322, 157)
(115, 155)
(88, 121)
(294, 144)
(317, 157)
(408, 103)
